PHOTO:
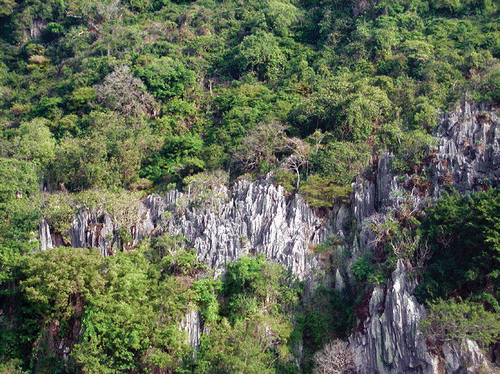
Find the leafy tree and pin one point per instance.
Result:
(128, 313)
(172, 257)
(81, 98)
(342, 161)
(460, 320)
(345, 109)
(255, 328)
(7, 7)
(261, 54)
(35, 143)
(412, 150)
(242, 347)
(59, 282)
(81, 164)
(324, 192)
(463, 234)
(18, 213)
(238, 110)
(166, 78)
(179, 157)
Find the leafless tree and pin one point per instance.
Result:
(335, 358)
(126, 94)
(299, 158)
(261, 146)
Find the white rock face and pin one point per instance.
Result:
(44, 235)
(388, 341)
(465, 358)
(93, 229)
(469, 150)
(191, 324)
(258, 218)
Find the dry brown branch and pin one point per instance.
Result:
(335, 358)
(299, 158)
(261, 146)
(126, 94)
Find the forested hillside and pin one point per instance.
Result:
(105, 101)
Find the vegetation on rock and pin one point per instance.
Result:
(102, 101)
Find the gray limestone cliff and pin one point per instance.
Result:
(389, 340)
(467, 158)
(259, 218)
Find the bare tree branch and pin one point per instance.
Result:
(335, 358)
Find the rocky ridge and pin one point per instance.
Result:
(467, 158)
(255, 218)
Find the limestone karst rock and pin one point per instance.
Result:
(258, 217)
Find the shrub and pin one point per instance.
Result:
(166, 77)
(285, 178)
(451, 320)
(322, 192)
(362, 268)
(463, 234)
(413, 151)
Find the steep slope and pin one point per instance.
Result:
(257, 217)
(467, 158)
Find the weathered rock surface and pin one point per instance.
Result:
(469, 151)
(468, 159)
(93, 229)
(465, 358)
(259, 218)
(389, 340)
(191, 324)
(44, 235)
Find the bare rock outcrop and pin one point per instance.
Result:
(467, 158)
(259, 218)
(389, 340)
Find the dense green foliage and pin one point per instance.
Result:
(122, 97)
(457, 321)
(254, 325)
(463, 234)
(80, 312)
(164, 89)
(453, 250)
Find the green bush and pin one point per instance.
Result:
(166, 77)
(413, 151)
(362, 269)
(286, 179)
(463, 234)
(456, 321)
(322, 192)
